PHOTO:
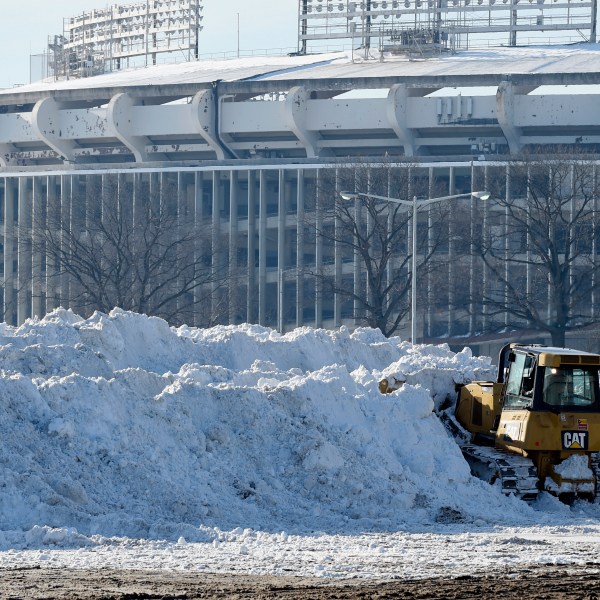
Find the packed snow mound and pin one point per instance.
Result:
(119, 425)
(439, 370)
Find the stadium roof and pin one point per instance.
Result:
(574, 64)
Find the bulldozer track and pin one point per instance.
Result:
(596, 470)
(516, 474)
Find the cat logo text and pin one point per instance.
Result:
(575, 440)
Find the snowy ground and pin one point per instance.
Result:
(127, 444)
(441, 552)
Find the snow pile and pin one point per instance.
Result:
(121, 426)
(438, 369)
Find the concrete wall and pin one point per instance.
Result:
(257, 214)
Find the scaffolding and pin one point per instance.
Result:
(125, 35)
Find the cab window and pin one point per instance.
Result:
(570, 388)
(519, 385)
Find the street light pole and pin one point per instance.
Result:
(416, 206)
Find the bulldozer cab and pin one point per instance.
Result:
(539, 380)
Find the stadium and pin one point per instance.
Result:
(244, 145)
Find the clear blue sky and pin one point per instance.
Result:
(26, 24)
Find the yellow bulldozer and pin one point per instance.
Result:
(537, 428)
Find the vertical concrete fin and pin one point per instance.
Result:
(396, 108)
(296, 108)
(505, 113)
(204, 119)
(45, 121)
(10, 198)
(118, 117)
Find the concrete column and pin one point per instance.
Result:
(198, 197)
(66, 183)
(281, 249)
(139, 202)
(154, 187)
(409, 245)
(389, 270)
(356, 273)
(11, 196)
(474, 306)
(88, 201)
(52, 211)
(572, 232)
(452, 270)
(161, 190)
(428, 326)
(24, 251)
(529, 267)
(234, 296)
(37, 306)
(182, 220)
(262, 249)
(125, 200)
(78, 220)
(550, 314)
(485, 283)
(217, 258)
(289, 194)
(199, 239)
(105, 201)
(300, 249)
(593, 308)
(369, 226)
(507, 197)
(251, 314)
(337, 258)
(318, 255)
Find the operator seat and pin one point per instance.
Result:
(557, 389)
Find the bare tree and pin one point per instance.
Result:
(539, 245)
(370, 238)
(147, 256)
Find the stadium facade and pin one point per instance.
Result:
(240, 142)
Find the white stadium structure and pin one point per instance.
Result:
(241, 140)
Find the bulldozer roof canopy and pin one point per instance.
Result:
(554, 357)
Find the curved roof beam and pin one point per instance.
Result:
(119, 119)
(46, 123)
(296, 110)
(204, 119)
(396, 109)
(505, 113)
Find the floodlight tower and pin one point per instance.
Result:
(125, 34)
(418, 25)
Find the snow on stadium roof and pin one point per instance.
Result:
(490, 63)
(200, 72)
(583, 58)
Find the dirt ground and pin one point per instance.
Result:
(56, 584)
